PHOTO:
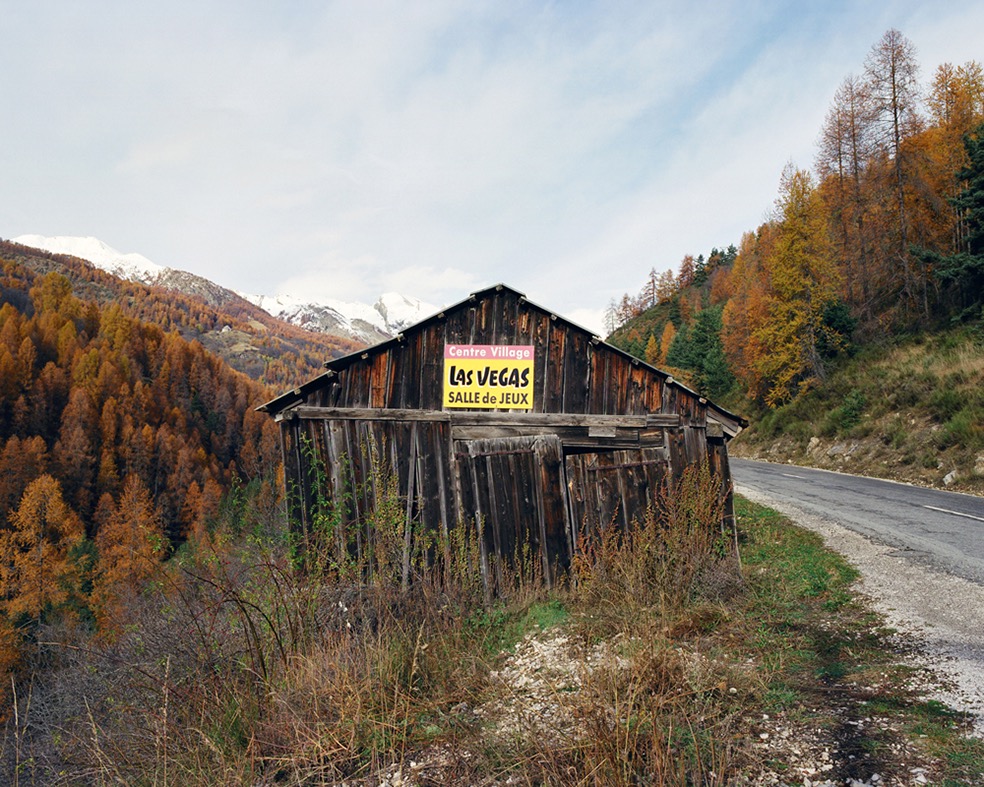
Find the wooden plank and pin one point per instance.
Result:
(413, 472)
(457, 328)
(618, 381)
(541, 491)
(494, 431)
(370, 414)
(360, 374)
(413, 355)
(484, 322)
(577, 372)
(457, 491)
(481, 524)
(547, 419)
(378, 380)
(497, 331)
(575, 493)
(486, 418)
(599, 383)
(569, 436)
(397, 375)
(539, 336)
(432, 368)
(554, 394)
(639, 380)
(438, 448)
(663, 420)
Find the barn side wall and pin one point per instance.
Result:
(604, 433)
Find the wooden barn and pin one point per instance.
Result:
(499, 412)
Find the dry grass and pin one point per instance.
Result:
(239, 669)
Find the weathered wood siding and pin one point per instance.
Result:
(573, 373)
(603, 433)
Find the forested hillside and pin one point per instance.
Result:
(93, 397)
(246, 337)
(880, 246)
(118, 441)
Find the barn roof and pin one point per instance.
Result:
(333, 367)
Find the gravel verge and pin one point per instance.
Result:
(943, 613)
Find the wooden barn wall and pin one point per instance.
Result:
(512, 488)
(538, 485)
(517, 489)
(613, 488)
(351, 460)
(572, 373)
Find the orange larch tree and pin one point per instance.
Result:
(37, 572)
(803, 282)
(130, 547)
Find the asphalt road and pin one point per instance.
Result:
(944, 530)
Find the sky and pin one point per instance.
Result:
(345, 149)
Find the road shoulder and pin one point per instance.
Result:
(945, 614)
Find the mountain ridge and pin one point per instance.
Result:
(248, 338)
(354, 321)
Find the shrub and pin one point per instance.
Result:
(945, 403)
(847, 415)
(964, 429)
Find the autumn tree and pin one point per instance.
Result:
(37, 572)
(803, 282)
(964, 270)
(666, 287)
(746, 312)
(650, 289)
(74, 454)
(685, 278)
(666, 341)
(652, 355)
(956, 104)
(130, 547)
(720, 285)
(91, 394)
(21, 462)
(893, 81)
(843, 157)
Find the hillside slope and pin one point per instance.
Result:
(355, 322)
(248, 338)
(94, 398)
(912, 411)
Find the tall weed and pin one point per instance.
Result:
(682, 547)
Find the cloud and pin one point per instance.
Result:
(346, 149)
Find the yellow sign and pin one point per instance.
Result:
(488, 376)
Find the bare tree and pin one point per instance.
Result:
(893, 81)
(845, 149)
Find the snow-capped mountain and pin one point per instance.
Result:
(371, 324)
(134, 267)
(351, 320)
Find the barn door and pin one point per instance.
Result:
(613, 487)
(514, 488)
